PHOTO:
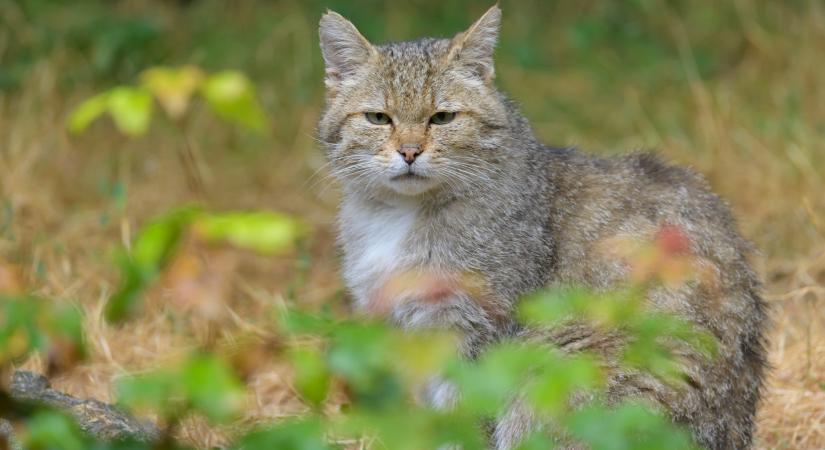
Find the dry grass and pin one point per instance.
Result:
(60, 224)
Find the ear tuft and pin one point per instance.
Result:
(474, 48)
(343, 47)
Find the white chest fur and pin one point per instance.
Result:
(375, 245)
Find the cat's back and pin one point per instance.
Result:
(596, 199)
(598, 203)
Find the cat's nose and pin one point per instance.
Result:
(410, 152)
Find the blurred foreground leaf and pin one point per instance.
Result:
(264, 232)
(204, 383)
(654, 336)
(487, 385)
(154, 246)
(30, 324)
(88, 112)
(49, 430)
(550, 390)
(173, 87)
(312, 378)
(212, 388)
(305, 434)
(130, 108)
(650, 337)
(150, 253)
(630, 426)
(413, 427)
(231, 96)
(295, 321)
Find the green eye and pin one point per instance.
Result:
(378, 118)
(442, 117)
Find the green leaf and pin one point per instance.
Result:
(19, 333)
(312, 377)
(87, 112)
(158, 240)
(551, 306)
(212, 387)
(654, 338)
(630, 426)
(29, 323)
(64, 325)
(357, 349)
(173, 87)
(131, 109)
(231, 96)
(487, 385)
(126, 300)
(363, 355)
(411, 427)
(299, 322)
(151, 251)
(419, 355)
(306, 434)
(158, 391)
(204, 383)
(264, 232)
(551, 388)
(537, 441)
(49, 430)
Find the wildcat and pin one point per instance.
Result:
(442, 175)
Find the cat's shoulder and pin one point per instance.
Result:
(598, 196)
(638, 175)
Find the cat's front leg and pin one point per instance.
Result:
(440, 394)
(426, 299)
(513, 427)
(509, 430)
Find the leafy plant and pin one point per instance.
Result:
(229, 94)
(29, 323)
(203, 383)
(153, 247)
(380, 369)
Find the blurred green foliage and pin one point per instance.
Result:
(203, 382)
(229, 94)
(380, 368)
(48, 430)
(155, 246)
(29, 323)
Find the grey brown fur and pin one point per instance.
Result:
(486, 198)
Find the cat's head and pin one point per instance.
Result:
(412, 117)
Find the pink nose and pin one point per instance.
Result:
(409, 152)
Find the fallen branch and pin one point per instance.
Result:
(100, 420)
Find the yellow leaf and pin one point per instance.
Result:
(173, 87)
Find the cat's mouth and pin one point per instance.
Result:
(408, 176)
(410, 183)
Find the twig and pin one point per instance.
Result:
(100, 420)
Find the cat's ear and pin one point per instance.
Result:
(343, 47)
(474, 48)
